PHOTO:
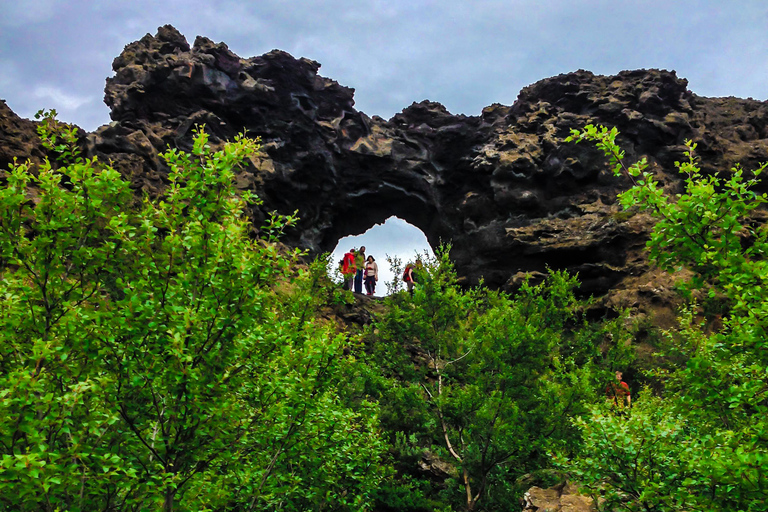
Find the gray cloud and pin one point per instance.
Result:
(466, 55)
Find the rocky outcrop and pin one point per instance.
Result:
(503, 186)
(18, 139)
(561, 498)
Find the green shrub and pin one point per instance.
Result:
(703, 445)
(489, 381)
(147, 361)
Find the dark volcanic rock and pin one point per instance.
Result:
(18, 139)
(502, 186)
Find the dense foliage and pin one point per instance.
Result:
(156, 355)
(702, 444)
(484, 381)
(153, 356)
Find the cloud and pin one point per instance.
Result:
(465, 55)
(52, 95)
(8, 74)
(16, 14)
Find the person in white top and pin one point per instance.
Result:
(371, 275)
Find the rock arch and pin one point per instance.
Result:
(502, 186)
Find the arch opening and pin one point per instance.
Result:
(394, 238)
(373, 203)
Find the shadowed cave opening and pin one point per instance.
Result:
(394, 237)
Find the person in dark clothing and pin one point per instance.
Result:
(360, 265)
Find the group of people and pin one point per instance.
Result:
(359, 270)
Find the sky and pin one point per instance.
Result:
(465, 54)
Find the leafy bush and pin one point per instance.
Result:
(705, 441)
(485, 381)
(146, 359)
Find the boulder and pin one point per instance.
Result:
(561, 498)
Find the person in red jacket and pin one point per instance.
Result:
(349, 269)
(408, 277)
(618, 392)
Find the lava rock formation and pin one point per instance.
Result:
(503, 187)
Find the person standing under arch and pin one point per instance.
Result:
(348, 269)
(359, 265)
(408, 277)
(371, 275)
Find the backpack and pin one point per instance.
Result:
(348, 264)
(406, 277)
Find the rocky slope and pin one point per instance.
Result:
(504, 187)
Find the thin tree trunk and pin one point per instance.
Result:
(168, 505)
(468, 488)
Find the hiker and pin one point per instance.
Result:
(348, 269)
(371, 275)
(360, 266)
(618, 392)
(408, 277)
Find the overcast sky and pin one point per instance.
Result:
(466, 54)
